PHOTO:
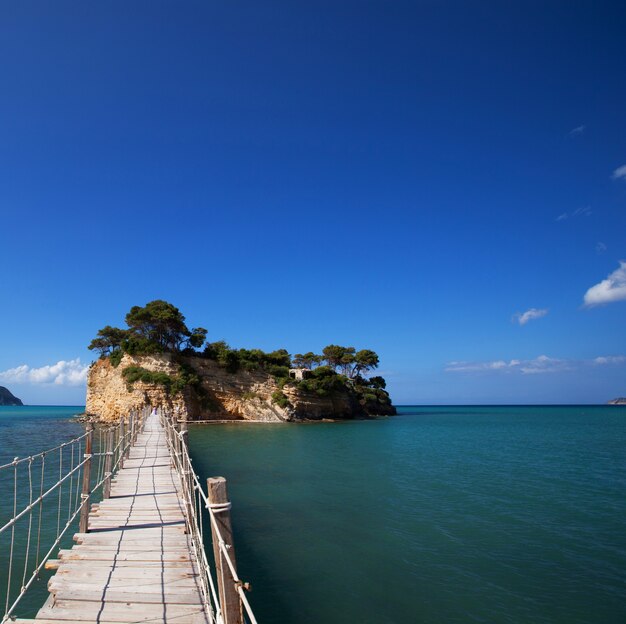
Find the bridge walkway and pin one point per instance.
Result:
(136, 563)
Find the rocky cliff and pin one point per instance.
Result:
(7, 397)
(218, 395)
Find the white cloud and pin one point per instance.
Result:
(620, 173)
(539, 365)
(63, 373)
(544, 364)
(610, 359)
(577, 130)
(583, 211)
(534, 313)
(611, 289)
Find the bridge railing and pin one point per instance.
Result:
(225, 596)
(44, 495)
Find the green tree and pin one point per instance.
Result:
(159, 322)
(197, 337)
(336, 356)
(364, 360)
(215, 350)
(280, 357)
(377, 382)
(108, 339)
(306, 360)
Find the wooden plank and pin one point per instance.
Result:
(102, 574)
(177, 596)
(113, 551)
(196, 619)
(97, 611)
(133, 537)
(154, 584)
(124, 563)
(97, 554)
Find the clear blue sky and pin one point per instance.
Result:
(400, 176)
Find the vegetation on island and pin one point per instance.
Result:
(159, 327)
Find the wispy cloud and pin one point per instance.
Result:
(611, 289)
(583, 211)
(534, 313)
(610, 359)
(63, 373)
(619, 173)
(601, 247)
(539, 365)
(577, 130)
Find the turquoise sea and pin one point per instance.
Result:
(439, 515)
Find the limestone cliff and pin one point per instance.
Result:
(219, 395)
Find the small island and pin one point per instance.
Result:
(8, 398)
(158, 360)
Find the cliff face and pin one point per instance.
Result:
(245, 395)
(108, 394)
(7, 397)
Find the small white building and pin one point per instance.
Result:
(299, 373)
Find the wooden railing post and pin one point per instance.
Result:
(229, 597)
(86, 491)
(131, 426)
(108, 463)
(122, 452)
(186, 468)
(127, 451)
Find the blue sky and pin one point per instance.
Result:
(403, 176)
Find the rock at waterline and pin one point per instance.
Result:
(7, 398)
(619, 401)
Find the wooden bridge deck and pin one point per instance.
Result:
(136, 563)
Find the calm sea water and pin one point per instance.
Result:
(438, 515)
(24, 431)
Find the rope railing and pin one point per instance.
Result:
(43, 495)
(200, 509)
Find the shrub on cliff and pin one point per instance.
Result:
(137, 373)
(173, 384)
(324, 380)
(276, 363)
(279, 398)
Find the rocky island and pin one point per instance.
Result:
(159, 361)
(7, 397)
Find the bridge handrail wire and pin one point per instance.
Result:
(19, 460)
(196, 501)
(69, 503)
(209, 592)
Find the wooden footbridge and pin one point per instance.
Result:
(140, 554)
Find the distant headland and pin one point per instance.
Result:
(618, 401)
(158, 360)
(7, 397)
